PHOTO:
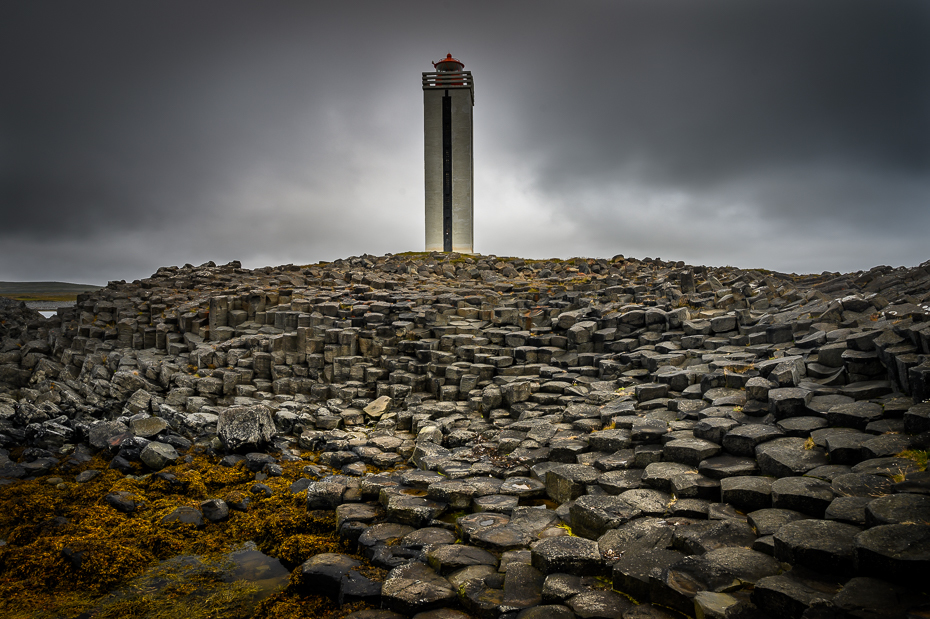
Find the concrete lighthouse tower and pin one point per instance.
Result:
(448, 99)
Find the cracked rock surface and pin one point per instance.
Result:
(522, 438)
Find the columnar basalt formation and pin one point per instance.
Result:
(525, 438)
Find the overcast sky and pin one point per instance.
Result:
(781, 134)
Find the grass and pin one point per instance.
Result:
(919, 456)
(41, 297)
(44, 291)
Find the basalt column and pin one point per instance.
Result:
(448, 99)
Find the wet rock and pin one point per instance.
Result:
(649, 502)
(785, 457)
(633, 571)
(792, 593)
(481, 599)
(768, 521)
(599, 605)
(214, 510)
(658, 475)
(101, 434)
(592, 516)
(567, 482)
(447, 558)
(124, 502)
(574, 555)
(848, 509)
(551, 611)
(742, 440)
(701, 537)
(184, 516)
(415, 588)
(617, 482)
(746, 565)
(523, 586)
(897, 552)
(713, 605)
(325, 494)
(821, 545)
(322, 574)
(871, 598)
(898, 509)
(723, 467)
(855, 415)
(380, 535)
(676, 585)
(157, 455)
(747, 493)
(803, 494)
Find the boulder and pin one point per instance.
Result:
(245, 428)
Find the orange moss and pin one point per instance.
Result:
(66, 547)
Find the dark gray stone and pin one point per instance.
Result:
(184, 516)
(723, 467)
(567, 482)
(767, 521)
(896, 552)
(748, 493)
(571, 554)
(549, 611)
(790, 594)
(848, 509)
(742, 440)
(649, 502)
(522, 587)
(447, 558)
(702, 537)
(889, 467)
(747, 566)
(617, 482)
(157, 455)
(824, 546)
(804, 494)
(414, 588)
(789, 456)
(322, 574)
(592, 516)
(871, 598)
(690, 451)
(898, 509)
(861, 485)
(676, 585)
(658, 475)
(855, 415)
(634, 568)
(789, 402)
(636, 536)
(599, 605)
(215, 510)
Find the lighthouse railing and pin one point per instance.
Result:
(449, 79)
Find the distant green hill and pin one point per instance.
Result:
(44, 291)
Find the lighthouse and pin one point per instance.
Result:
(449, 162)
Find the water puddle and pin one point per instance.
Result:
(228, 586)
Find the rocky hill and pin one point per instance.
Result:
(519, 438)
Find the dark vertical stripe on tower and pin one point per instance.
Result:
(447, 172)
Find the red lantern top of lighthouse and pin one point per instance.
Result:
(449, 64)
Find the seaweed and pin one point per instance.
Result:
(69, 552)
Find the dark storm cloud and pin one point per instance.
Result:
(137, 135)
